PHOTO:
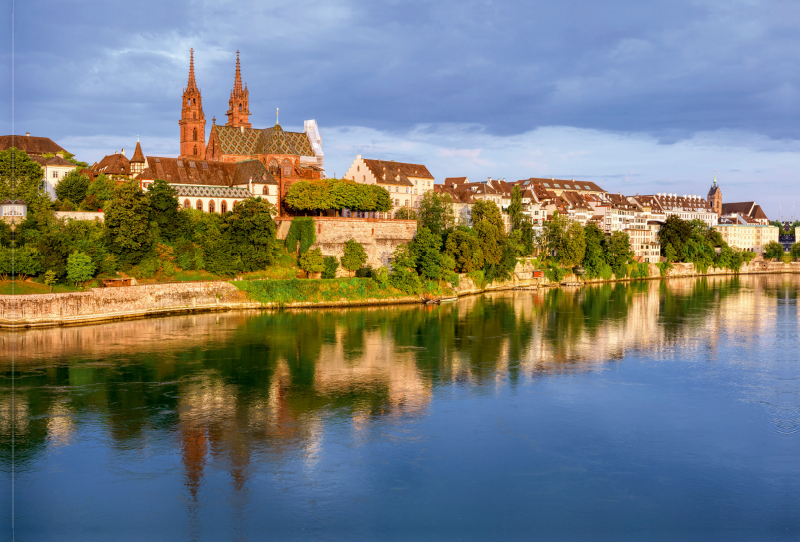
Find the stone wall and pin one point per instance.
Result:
(379, 236)
(126, 302)
(79, 215)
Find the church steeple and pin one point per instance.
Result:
(239, 104)
(193, 121)
(715, 196)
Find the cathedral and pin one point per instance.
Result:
(287, 155)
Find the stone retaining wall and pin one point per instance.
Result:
(379, 236)
(116, 303)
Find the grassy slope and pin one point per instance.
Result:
(25, 288)
(317, 290)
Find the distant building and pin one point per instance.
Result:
(750, 237)
(715, 197)
(54, 169)
(32, 145)
(13, 210)
(747, 210)
(406, 183)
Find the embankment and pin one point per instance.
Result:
(103, 304)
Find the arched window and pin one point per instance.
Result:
(194, 135)
(223, 207)
(266, 190)
(194, 101)
(273, 166)
(189, 101)
(211, 206)
(187, 204)
(199, 205)
(286, 165)
(194, 115)
(240, 107)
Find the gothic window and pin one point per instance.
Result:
(194, 136)
(187, 204)
(194, 115)
(240, 107)
(199, 205)
(211, 206)
(266, 190)
(273, 166)
(223, 207)
(287, 168)
(195, 150)
(189, 101)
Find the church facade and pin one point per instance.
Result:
(287, 155)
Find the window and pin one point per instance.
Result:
(397, 203)
(187, 204)
(358, 168)
(211, 206)
(194, 115)
(415, 190)
(364, 178)
(194, 134)
(204, 164)
(240, 107)
(199, 205)
(195, 150)
(189, 101)
(55, 174)
(287, 168)
(406, 203)
(223, 207)
(192, 164)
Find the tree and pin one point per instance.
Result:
(426, 249)
(21, 178)
(675, 232)
(72, 187)
(251, 232)
(163, 202)
(405, 213)
(515, 209)
(127, 230)
(50, 279)
(618, 253)
(331, 265)
(794, 252)
(435, 212)
(594, 256)
(491, 241)
(26, 262)
(573, 247)
(554, 232)
(102, 188)
(312, 195)
(464, 248)
(79, 267)
(773, 250)
(354, 256)
(312, 261)
(404, 275)
(489, 211)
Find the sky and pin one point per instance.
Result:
(639, 97)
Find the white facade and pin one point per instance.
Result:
(751, 237)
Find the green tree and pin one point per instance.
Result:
(26, 262)
(127, 230)
(331, 264)
(594, 256)
(79, 267)
(405, 213)
(312, 261)
(794, 252)
(465, 249)
(163, 202)
(50, 279)
(435, 212)
(404, 275)
(426, 249)
(675, 232)
(554, 233)
(618, 253)
(491, 242)
(310, 195)
(251, 232)
(72, 187)
(5, 262)
(21, 178)
(574, 246)
(102, 188)
(488, 211)
(773, 250)
(515, 209)
(354, 256)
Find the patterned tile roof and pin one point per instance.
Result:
(191, 191)
(250, 141)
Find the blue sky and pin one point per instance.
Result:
(636, 96)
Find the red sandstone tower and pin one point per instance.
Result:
(239, 104)
(193, 122)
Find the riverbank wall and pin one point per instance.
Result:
(107, 304)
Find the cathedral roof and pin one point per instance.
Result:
(250, 141)
(206, 172)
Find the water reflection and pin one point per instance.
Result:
(232, 390)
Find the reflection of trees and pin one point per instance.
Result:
(241, 385)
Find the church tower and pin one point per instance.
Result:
(715, 197)
(239, 104)
(193, 122)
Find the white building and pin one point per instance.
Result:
(406, 183)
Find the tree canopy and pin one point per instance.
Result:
(21, 178)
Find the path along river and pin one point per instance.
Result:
(645, 411)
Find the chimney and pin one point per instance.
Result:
(27, 134)
(122, 152)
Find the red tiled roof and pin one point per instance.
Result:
(138, 155)
(30, 144)
(396, 172)
(206, 172)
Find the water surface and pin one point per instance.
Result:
(649, 411)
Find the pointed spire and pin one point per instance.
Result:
(277, 110)
(715, 176)
(138, 155)
(237, 84)
(192, 84)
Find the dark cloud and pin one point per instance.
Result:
(668, 68)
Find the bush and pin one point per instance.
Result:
(302, 233)
(80, 267)
(748, 256)
(478, 278)
(146, 269)
(365, 272)
(312, 262)
(773, 250)
(554, 273)
(331, 264)
(664, 267)
(639, 270)
(794, 252)
(381, 276)
(354, 255)
(405, 280)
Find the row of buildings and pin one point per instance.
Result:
(238, 161)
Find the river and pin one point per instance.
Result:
(659, 410)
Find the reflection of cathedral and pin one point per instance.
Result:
(288, 155)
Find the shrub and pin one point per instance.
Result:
(773, 250)
(312, 261)
(330, 264)
(664, 267)
(639, 270)
(794, 252)
(302, 233)
(79, 267)
(381, 276)
(109, 265)
(146, 269)
(554, 273)
(354, 255)
(365, 272)
(748, 255)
